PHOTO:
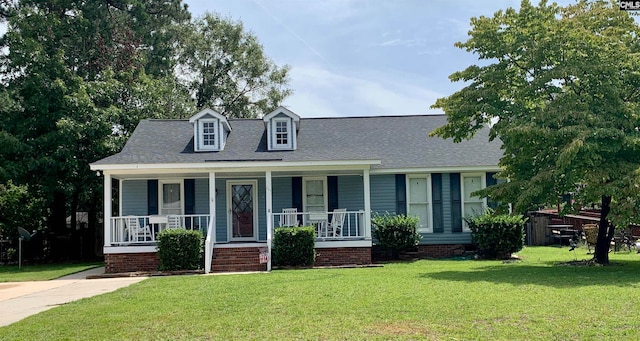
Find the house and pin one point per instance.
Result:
(232, 179)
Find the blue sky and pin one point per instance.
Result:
(362, 57)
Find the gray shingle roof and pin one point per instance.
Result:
(398, 141)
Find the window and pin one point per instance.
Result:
(281, 133)
(472, 205)
(170, 197)
(419, 203)
(315, 194)
(208, 134)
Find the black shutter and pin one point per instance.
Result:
(401, 194)
(152, 197)
(296, 193)
(436, 196)
(189, 196)
(456, 202)
(490, 182)
(332, 187)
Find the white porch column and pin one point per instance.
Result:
(269, 197)
(212, 202)
(367, 205)
(106, 219)
(211, 232)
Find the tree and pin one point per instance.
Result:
(226, 69)
(561, 89)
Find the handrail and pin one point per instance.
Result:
(208, 247)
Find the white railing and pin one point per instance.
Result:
(327, 227)
(140, 230)
(208, 246)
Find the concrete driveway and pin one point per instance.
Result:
(22, 299)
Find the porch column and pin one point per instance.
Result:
(212, 203)
(211, 228)
(367, 205)
(107, 209)
(269, 216)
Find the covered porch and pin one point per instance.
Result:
(237, 209)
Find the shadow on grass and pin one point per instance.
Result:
(619, 273)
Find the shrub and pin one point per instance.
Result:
(497, 235)
(396, 233)
(179, 249)
(294, 246)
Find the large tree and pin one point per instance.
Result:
(560, 87)
(226, 69)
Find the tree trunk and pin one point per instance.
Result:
(605, 233)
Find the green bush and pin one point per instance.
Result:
(396, 233)
(179, 249)
(497, 236)
(294, 246)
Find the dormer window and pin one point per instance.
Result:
(282, 131)
(208, 128)
(282, 128)
(210, 131)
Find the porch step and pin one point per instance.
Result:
(237, 259)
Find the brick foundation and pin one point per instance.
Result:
(237, 259)
(343, 256)
(441, 251)
(131, 262)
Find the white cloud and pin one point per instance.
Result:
(322, 93)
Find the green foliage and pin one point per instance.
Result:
(179, 249)
(497, 236)
(396, 233)
(559, 89)
(18, 209)
(294, 246)
(228, 70)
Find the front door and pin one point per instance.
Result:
(242, 208)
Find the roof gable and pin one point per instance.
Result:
(210, 113)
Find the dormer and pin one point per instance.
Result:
(210, 130)
(282, 129)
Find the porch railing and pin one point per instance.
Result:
(143, 230)
(327, 226)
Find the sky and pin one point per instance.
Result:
(362, 57)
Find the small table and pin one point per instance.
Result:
(157, 223)
(565, 232)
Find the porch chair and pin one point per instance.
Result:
(136, 232)
(289, 217)
(334, 228)
(173, 222)
(590, 235)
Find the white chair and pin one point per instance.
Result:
(136, 232)
(173, 222)
(289, 217)
(334, 228)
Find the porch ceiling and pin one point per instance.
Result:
(195, 175)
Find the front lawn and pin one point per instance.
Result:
(41, 272)
(428, 299)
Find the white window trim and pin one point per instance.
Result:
(483, 185)
(429, 202)
(289, 143)
(325, 190)
(161, 194)
(254, 183)
(216, 137)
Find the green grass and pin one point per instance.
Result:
(428, 299)
(41, 272)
